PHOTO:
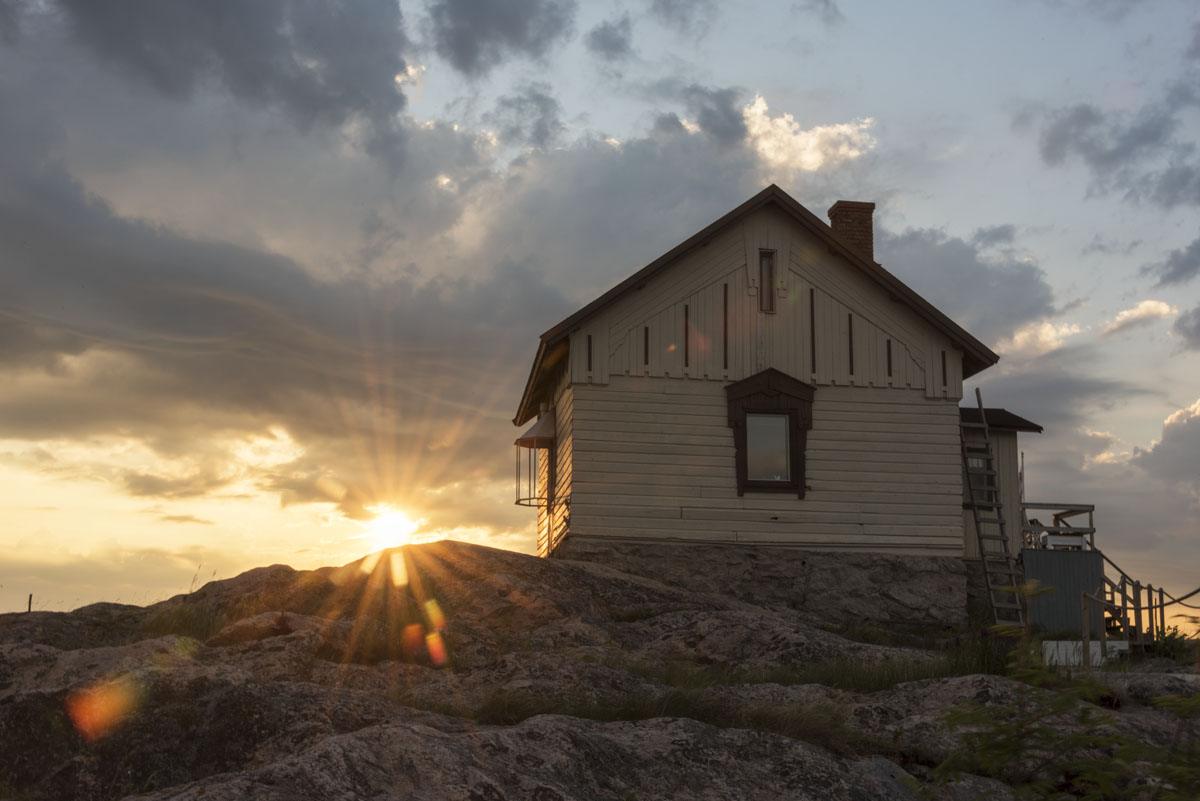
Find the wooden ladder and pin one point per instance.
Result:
(1000, 571)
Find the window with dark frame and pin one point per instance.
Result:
(889, 358)
(766, 281)
(770, 414)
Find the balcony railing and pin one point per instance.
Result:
(1065, 529)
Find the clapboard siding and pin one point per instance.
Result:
(653, 458)
(815, 292)
(554, 518)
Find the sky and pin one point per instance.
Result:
(272, 273)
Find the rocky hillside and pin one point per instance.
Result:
(451, 671)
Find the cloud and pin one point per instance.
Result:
(1193, 50)
(716, 111)
(955, 274)
(477, 35)
(612, 39)
(1175, 457)
(1036, 338)
(1104, 245)
(321, 63)
(1188, 327)
(690, 17)
(185, 519)
(1060, 389)
(825, 10)
(530, 116)
(1144, 313)
(1140, 154)
(10, 21)
(1180, 266)
(995, 235)
(783, 144)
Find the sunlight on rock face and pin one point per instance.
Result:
(96, 710)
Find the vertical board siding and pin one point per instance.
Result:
(654, 459)
(1007, 461)
(718, 283)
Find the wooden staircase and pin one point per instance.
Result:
(1000, 571)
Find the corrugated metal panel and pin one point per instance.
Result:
(1065, 575)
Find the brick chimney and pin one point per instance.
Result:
(851, 222)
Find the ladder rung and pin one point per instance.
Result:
(990, 520)
(1002, 605)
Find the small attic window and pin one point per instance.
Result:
(766, 281)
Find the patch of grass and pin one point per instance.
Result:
(822, 723)
(850, 673)
(196, 620)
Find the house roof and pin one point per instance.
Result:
(976, 355)
(1001, 419)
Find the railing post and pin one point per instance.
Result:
(1162, 613)
(1085, 641)
(1151, 614)
(1137, 609)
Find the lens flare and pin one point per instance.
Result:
(434, 616)
(97, 710)
(414, 640)
(397, 569)
(437, 648)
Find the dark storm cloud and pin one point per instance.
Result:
(1187, 326)
(1175, 457)
(1179, 267)
(953, 274)
(1193, 50)
(611, 40)
(691, 17)
(321, 62)
(10, 21)
(1149, 154)
(529, 116)
(717, 111)
(476, 35)
(181, 343)
(825, 10)
(1060, 389)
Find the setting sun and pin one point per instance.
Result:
(390, 528)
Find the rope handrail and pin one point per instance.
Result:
(1152, 606)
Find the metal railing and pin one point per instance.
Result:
(1064, 530)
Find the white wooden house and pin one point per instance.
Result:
(765, 381)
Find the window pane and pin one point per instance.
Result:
(767, 447)
(766, 280)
